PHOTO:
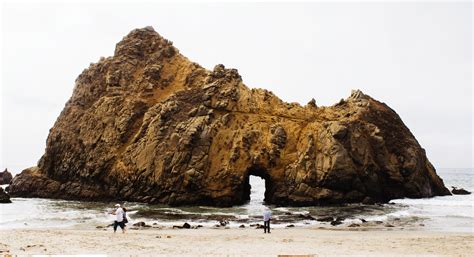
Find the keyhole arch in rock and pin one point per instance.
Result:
(262, 172)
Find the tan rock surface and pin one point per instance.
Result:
(149, 125)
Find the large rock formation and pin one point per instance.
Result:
(5, 177)
(149, 125)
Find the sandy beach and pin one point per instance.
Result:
(244, 241)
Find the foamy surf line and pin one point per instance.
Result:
(451, 213)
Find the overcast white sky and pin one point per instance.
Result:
(416, 57)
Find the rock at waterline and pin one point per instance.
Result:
(460, 191)
(5, 177)
(306, 217)
(139, 224)
(165, 130)
(325, 219)
(185, 225)
(4, 197)
(337, 221)
(353, 225)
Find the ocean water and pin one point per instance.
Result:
(444, 213)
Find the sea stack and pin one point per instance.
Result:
(5, 177)
(149, 125)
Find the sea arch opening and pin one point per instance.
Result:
(257, 186)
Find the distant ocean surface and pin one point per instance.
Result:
(444, 213)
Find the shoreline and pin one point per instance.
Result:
(240, 241)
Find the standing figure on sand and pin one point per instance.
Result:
(267, 216)
(119, 218)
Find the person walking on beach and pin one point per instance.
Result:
(125, 218)
(267, 216)
(119, 222)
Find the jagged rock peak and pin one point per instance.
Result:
(357, 95)
(312, 103)
(143, 41)
(149, 125)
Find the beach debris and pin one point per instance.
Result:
(168, 236)
(158, 236)
(224, 223)
(389, 225)
(29, 246)
(363, 220)
(242, 226)
(353, 225)
(460, 191)
(290, 226)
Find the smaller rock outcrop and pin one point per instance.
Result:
(4, 197)
(140, 224)
(5, 177)
(185, 225)
(325, 219)
(460, 191)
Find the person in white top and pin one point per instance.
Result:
(119, 219)
(267, 216)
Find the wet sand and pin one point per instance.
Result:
(236, 241)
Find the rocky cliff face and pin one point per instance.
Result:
(149, 125)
